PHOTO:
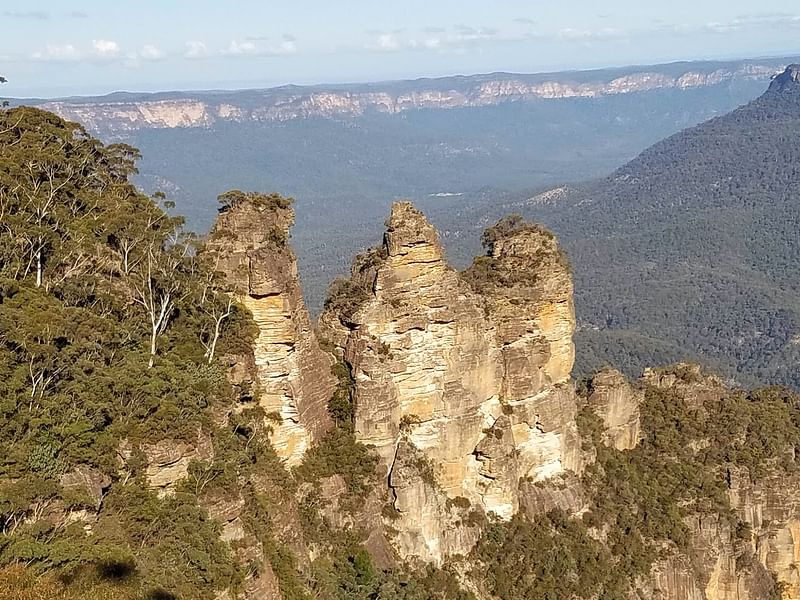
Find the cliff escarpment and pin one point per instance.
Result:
(129, 112)
(459, 384)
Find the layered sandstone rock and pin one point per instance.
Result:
(771, 506)
(249, 244)
(616, 402)
(717, 565)
(722, 561)
(167, 461)
(473, 383)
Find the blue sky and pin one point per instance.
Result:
(93, 46)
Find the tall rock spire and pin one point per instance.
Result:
(461, 380)
(249, 243)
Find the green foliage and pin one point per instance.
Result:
(345, 570)
(642, 497)
(686, 253)
(506, 227)
(338, 453)
(163, 543)
(487, 270)
(552, 557)
(103, 583)
(345, 297)
(340, 405)
(272, 201)
(104, 314)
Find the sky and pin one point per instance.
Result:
(80, 47)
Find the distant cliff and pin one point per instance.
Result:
(121, 112)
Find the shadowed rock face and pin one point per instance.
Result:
(293, 374)
(476, 382)
(789, 79)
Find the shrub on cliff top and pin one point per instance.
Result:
(273, 201)
(508, 226)
(345, 297)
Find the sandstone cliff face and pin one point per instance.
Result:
(717, 566)
(283, 104)
(293, 374)
(461, 384)
(772, 508)
(471, 388)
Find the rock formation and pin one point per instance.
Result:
(461, 385)
(466, 383)
(721, 561)
(616, 402)
(249, 245)
(787, 80)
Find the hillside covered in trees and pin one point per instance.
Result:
(690, 251)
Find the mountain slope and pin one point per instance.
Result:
(691, 249)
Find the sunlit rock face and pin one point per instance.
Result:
(293, 374)
(471, 380)
(617, 402)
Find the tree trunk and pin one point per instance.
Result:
(39, 266)
(153, 336)
(217, 326)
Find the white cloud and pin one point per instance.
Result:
(388, 41)
(105, 48)
(606, 33)
(195, 49)
(287, 46)
(246, 47)
(436, 39)
(150, 52)
(66, 52)
(259, 47)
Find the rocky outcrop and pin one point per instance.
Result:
(166, 462)
(118, 114)
(87, 482)
(470, 387)
(616, 402)
(771, 506)
(718, 565)
(293, 376)
(723, 560)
